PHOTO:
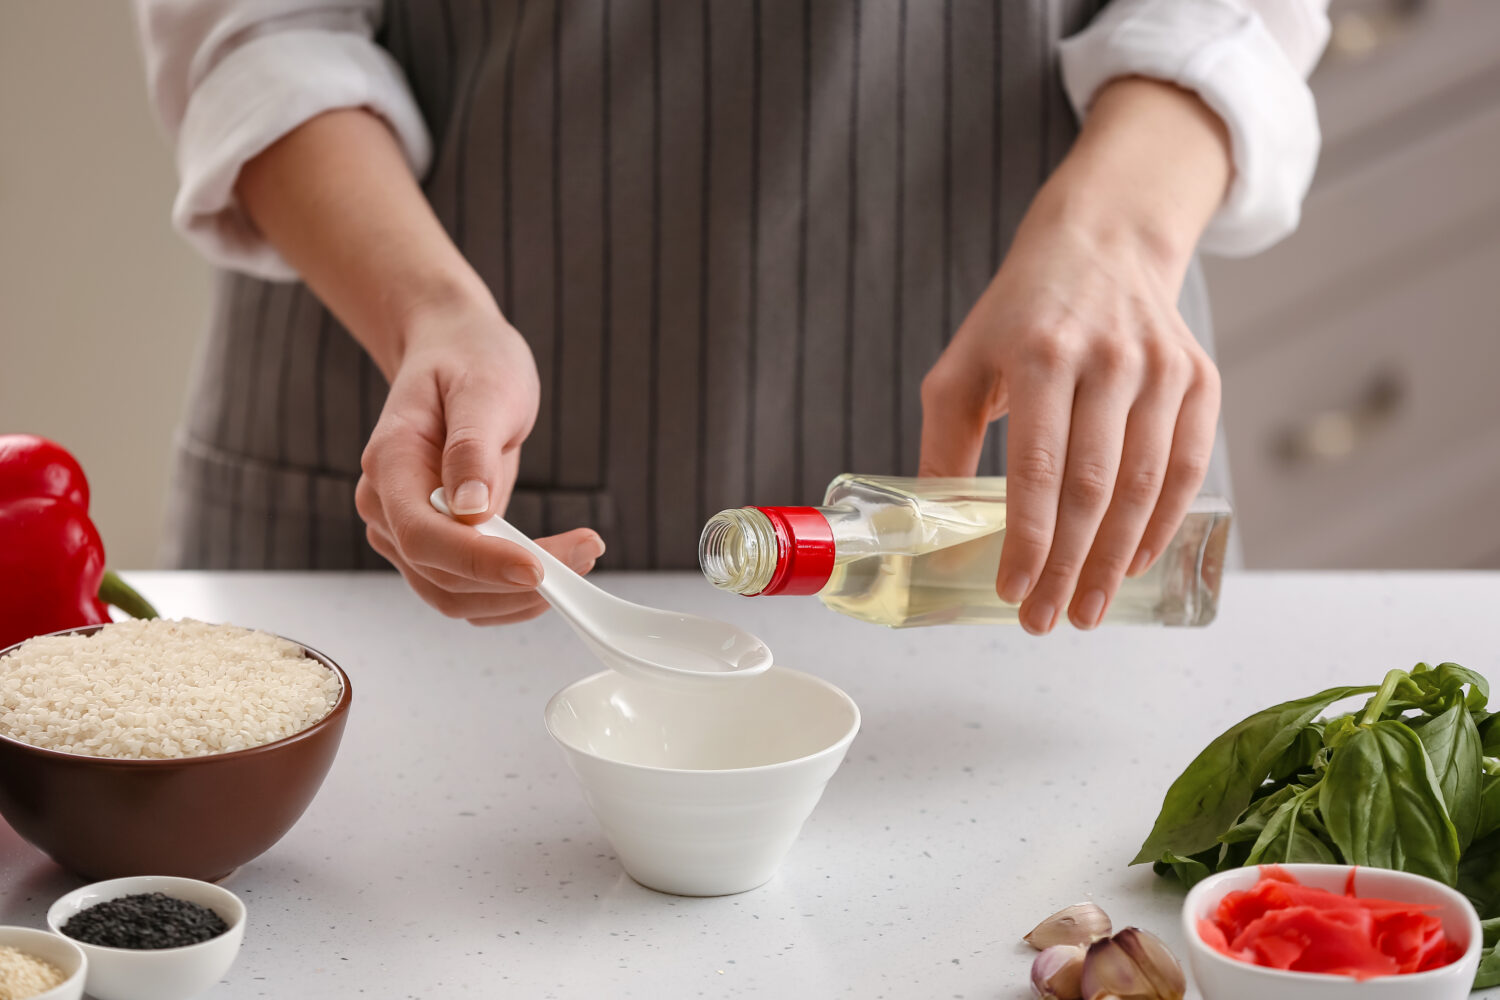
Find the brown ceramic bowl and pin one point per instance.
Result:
(198, 817)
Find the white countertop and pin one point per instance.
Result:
(997, 778)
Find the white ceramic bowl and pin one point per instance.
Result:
(703, 790)
(60, 951)
(1224, 978)
(156, 973)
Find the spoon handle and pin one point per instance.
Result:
(644, 642)
(555, 573)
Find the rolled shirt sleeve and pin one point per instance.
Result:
(1248, 61)
(230, 77)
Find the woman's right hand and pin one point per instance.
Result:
(464, 387)
(463, 398)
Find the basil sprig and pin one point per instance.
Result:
(1411, 781)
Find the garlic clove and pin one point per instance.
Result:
(1081, 923)
(1057, 972)
(1109, 970)
(1153, 958)
(1132, 965)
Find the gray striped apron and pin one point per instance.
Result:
(735, 235)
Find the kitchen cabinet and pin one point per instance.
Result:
(1361, 357)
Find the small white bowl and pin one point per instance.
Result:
(60, 951)
(1224, 978)
(703, 790)
(155, 973)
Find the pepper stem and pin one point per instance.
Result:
(113, 590)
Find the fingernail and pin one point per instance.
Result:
(1040, 620)
(473, 497)
(523, 576)
(1142, 559)
(1090, 609)
(599, 546)
(1013, 591)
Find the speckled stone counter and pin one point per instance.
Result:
(997, 778)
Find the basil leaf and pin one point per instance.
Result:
(1300, 755)
(1479, 876)
(1452, 744)
(1248, 829)
(1189, 871)
(1234, 855)
(1214, 790)
(1446, 679)
(1292, 834)
(1382, 805)
(1489, 733)
(1489, 806)
(1488, 973)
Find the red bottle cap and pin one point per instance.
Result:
(804, 550)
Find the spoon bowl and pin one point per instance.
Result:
(630, 638)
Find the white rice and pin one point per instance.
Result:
(24, 975)
(161, 689)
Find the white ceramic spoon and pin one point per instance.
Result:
(631, 638)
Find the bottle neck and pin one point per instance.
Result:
(768, 550)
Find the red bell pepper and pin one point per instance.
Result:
(52, 572)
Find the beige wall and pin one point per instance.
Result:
(100, 302)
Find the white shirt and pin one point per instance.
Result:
(230, 77)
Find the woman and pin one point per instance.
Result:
(620, 264)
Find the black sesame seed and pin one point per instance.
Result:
(145, 920)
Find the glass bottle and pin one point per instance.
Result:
(903, 552)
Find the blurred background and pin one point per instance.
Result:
(1361, 358)
(100, 303)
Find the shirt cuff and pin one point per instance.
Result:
(257, 94)
(1223, 52)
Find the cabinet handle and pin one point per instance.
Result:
(1360, 33)
(1334, 435)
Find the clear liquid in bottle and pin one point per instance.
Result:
(908, 552)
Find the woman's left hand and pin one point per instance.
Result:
(1113, 404)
